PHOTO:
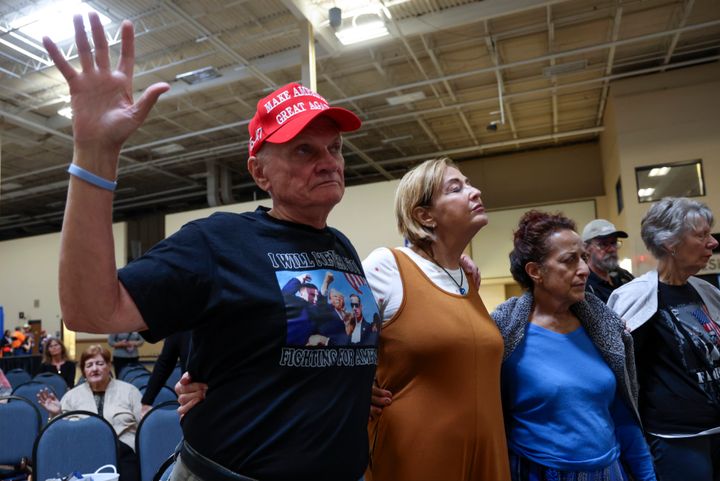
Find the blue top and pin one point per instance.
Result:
(562, 407)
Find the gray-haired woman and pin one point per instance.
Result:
(675, 321)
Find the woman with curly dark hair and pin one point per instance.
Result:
(568, 375)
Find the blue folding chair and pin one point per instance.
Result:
(74, 441)
(140, 380)
(29, 391)
(18, 376)
(130, 371)
(53, 380)
(157, 436)
(20, 423)
(164, 395)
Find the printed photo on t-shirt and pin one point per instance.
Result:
(328, 308)
(703, 332)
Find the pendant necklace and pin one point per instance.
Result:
(459, 285)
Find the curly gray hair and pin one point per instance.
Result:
(668, 220)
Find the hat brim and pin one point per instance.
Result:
(345, 120)
(617, 233)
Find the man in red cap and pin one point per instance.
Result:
(274, 409)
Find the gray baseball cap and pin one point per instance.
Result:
(601, 228)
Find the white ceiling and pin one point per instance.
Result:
(552, 62)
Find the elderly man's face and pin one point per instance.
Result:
(337, 300)
(306, 174)
(603, 252)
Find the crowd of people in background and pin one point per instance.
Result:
(20, 342)
(554, 384)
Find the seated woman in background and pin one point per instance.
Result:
(675, 322)
(55, 359)
(568, 378)
(117, 401)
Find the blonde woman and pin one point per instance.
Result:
(440, 352)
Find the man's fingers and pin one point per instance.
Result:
(102, 55)
(184, 408)
(58, 59)
(148, 99)
(126, 64)
(83, 45)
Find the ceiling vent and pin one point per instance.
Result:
(406, 98)
(197, 76)
(563, 68)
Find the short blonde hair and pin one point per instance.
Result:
(416, 189)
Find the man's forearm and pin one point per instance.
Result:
(91, 297)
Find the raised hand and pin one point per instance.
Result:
(49, 401)
(104, 113)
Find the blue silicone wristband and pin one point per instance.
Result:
(91, 178)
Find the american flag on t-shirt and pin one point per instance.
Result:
(356, 281)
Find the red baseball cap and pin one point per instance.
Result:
(284, 113)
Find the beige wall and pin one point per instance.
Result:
(30, 273)
(538, 177)
(365, 215)
(662, 118)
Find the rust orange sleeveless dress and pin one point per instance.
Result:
(440, 356)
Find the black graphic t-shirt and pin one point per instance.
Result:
(274, 309)
(678, 382)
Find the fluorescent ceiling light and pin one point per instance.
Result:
(406, 98)
(54, 20)
(659, 171)
(66, 112)
(363, 32)
(199, 75)
(167, 149)
(646, 192)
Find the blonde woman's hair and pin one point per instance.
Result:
(416, 189)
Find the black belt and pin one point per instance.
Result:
(206, 468)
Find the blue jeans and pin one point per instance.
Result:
(684, 459)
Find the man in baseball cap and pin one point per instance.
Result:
(273, 409)
(602, 244)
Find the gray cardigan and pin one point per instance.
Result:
(603, 326)
(637, 302)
